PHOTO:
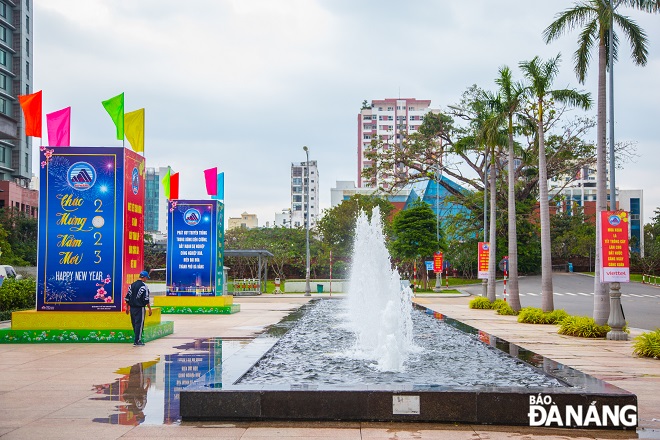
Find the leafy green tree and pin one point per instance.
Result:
(572, 233)
(414, 233)
(337, 225)
(541, 75)
(21, 238)
(595, 17)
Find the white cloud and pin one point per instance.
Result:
(244, 84)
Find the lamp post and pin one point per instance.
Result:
(616, 319)
(484, 282)
(307, 289)
(438, 176)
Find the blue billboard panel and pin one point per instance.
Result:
(192, 247)
(80, 229)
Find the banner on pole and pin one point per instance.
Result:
(615, 266)
(483, 256)
(437, 262)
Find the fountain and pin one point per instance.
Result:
(379, 310)
(365, 358)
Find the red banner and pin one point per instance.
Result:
(437, 262)
(482, 258)
(134, 191)
(615, 266)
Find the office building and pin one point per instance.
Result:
(390, 121)
(304, 179)
(155, 202)
(245, 221)
(16, 49)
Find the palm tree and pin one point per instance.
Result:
(491, 135)
(594, 17)
(507, 104)
(541, 76)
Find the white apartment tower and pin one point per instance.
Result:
(389, 120)
(304, 178)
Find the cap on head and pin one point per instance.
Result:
(144, 274)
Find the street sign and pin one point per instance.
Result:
(504, 264)
(429, 265)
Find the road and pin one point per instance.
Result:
(575, 294)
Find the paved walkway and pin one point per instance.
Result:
(47, 391)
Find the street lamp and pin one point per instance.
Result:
(616, 320)
(307, 289)
(437, 171)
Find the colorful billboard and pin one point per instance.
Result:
(81, 228)
(615, 266)
(195, 247)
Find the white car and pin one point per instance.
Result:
(9, 271)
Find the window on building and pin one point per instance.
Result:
(411, 108)
(27, 4)
(297, 189)
(3, 153)
(27, 24)
(3, 57)
(297, 198)
(27, 69)
(3, 10)
(4, 107)
(3, 33)
(27, 162)
(389, 109)
(27, 46)
(27, 89)
(3, 81)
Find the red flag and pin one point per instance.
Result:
(31, 105)
(174, 186)
(211, 176)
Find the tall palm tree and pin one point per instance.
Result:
(492, 137)
(509, 103)
(541, 76)
(594, 17)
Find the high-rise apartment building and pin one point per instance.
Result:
(389, 120)
(155, 202)
(16, 49)
(304, 179)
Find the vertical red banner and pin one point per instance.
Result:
(437, 262)
(134, 193)
(615, 265)
(483, 256)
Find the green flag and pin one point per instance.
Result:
(166, 184)
(115, 108)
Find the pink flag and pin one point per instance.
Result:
(59, 128)
(211, 176)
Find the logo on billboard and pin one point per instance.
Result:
(192, 217)
(81, 176)
(614, 220)
(485, 246)
(135, 181)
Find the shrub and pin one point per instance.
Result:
(481, 302)
(582, 326)
(648, 344)
(17, 295)
(534, 315)
(505, 309)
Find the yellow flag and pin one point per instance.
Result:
(134, 129)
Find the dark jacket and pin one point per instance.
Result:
(138, 294)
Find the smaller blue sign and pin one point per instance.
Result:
(429, 265)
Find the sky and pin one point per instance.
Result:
(245, 84)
